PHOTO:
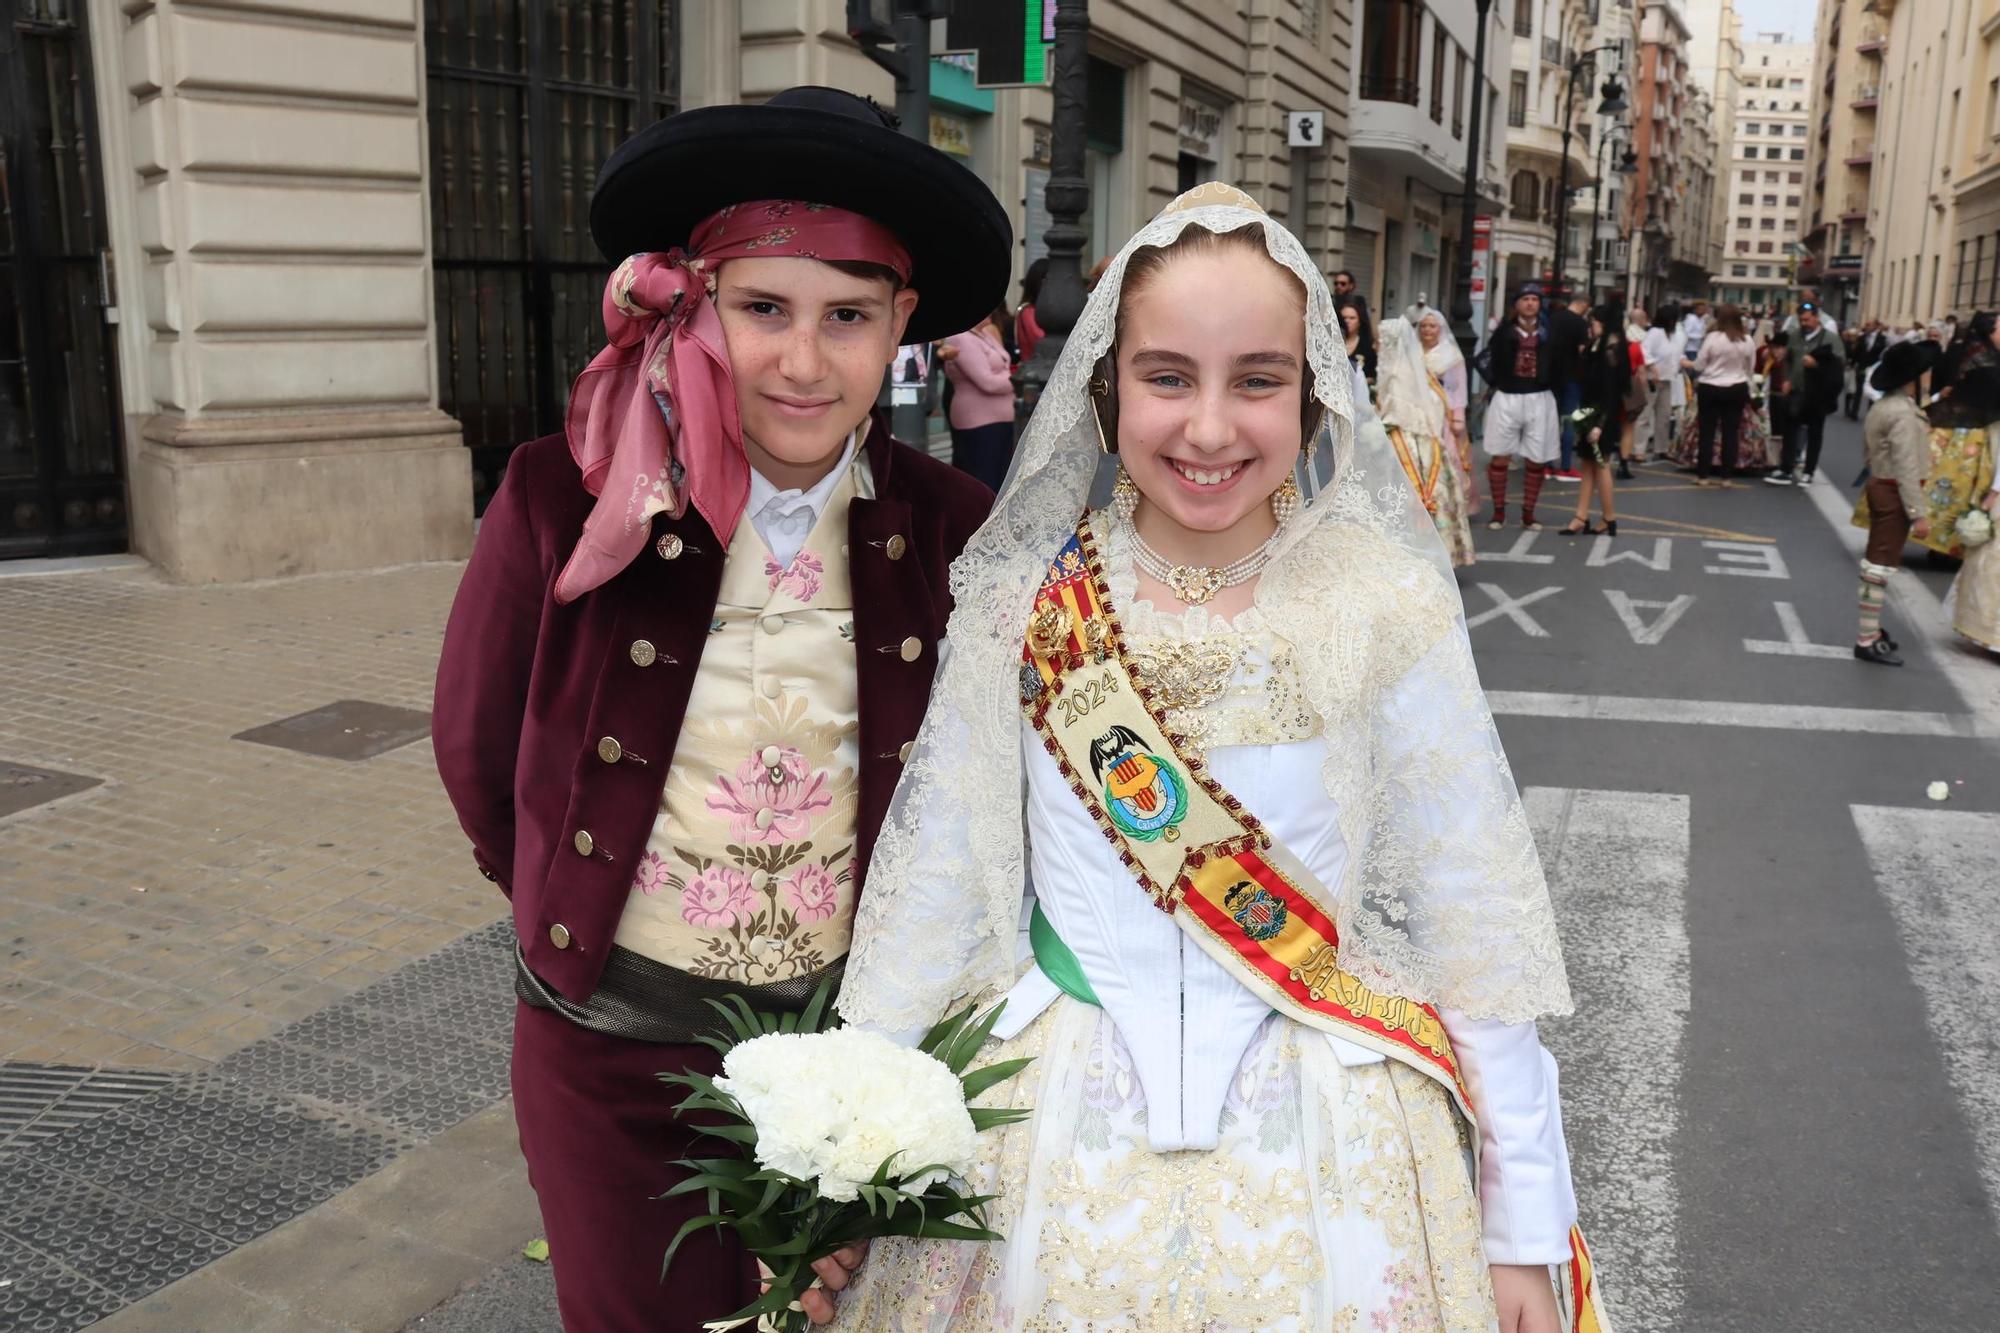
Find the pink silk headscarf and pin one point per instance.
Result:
(652, 419)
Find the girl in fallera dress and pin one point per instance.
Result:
(1416, 417)
(1220, 745)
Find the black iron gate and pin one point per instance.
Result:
(527, 97)
(62, 491)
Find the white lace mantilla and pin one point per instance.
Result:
(1358, 591)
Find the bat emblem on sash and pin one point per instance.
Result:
(1143, 794)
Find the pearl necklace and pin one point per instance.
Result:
(1196, 584)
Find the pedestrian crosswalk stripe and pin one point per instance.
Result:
(1735, 713)
(1936, 868)
(1617, 864)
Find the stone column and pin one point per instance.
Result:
(272, 165)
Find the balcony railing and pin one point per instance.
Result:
(1873, 41)
(1861, 152)
(1867, 95)
(1524, 25)
(1552, 51)
(1517, 117)
(1388, 88)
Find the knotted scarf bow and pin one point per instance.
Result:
(652, 421)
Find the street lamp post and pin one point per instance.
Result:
(1613, 103)
(1628, 164)
(1461, 301)
(1061, 302)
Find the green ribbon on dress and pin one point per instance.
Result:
(1058, 964)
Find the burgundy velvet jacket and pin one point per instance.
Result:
(554, 726)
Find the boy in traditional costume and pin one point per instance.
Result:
(1289, 931)
(1526, 369)
(1896, 438)
(693, 643)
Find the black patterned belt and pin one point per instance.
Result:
(645, 1000)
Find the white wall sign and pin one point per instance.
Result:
(1305, 129)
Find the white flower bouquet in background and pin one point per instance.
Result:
(843, 1136)
(1975, 527)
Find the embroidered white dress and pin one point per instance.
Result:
(1194, 1161)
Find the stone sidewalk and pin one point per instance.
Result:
(255, 1009)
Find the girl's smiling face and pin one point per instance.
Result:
(1209, 406)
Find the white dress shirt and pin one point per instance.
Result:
(784, 519)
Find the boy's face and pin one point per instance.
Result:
(807, 348)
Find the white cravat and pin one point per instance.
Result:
(784, 519)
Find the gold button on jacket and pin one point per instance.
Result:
(897, 546)
(670, 547)
(559, 935)
(609, 750)
(643, 653)
(903, 755)
(913, 648)
(585, 844)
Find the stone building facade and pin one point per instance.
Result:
(1933, 225)
(303, 271)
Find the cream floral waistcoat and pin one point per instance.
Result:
(748, 875)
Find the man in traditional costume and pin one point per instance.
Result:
(1524, 370)
(1896, 439)
(1278, 863)
(692, 647)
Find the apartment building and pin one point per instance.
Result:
(1767, 167)
(1407, 139)
(1850, 43)
(1598, 225)
(1549, 82)
(1654, 205)
(1932, 242)
(1715, 60)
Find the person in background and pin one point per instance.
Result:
(1359, 333)
(1604, 375)
(1654, 434)
(1868, 347)
(1343, 286)
(1522, 416)
(982, 401)
(1416, 416)
(1813, 367)
(1975, 594)
(1569, 330)
(1722, 370)
(1443, 359)
(1896, 439)
(1774, 361)
(1027, 326)
(1964, 415)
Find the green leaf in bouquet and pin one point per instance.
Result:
(815, 1017)
(688, 1228)
(993, 1117)
(979, 1080)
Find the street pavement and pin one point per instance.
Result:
(1781, 1088)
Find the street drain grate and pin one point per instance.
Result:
(347, 729)
(39, 1101)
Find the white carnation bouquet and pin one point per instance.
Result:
(843, 1135)
(1975, 527)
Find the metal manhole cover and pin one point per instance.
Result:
(347, 729)
(24, 788)
(38, 1101)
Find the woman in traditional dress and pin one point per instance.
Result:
(1235, 739)
(1416, 416)
(1756, 429)
(1964, 416)
(1447, 365)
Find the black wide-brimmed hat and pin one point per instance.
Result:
(823, 146)
(1902, 363)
